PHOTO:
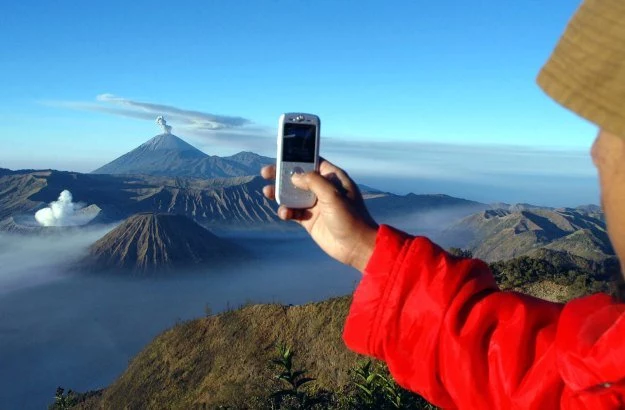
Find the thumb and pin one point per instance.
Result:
(318, 185)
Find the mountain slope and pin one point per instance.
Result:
(169, 155)
(252, 161)
(147, 243)
(502, 234)
(158, 155)
(16, 190)
(11, 226)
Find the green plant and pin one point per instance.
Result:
(365, 383)
(376, 389)
(294, 381)
(392, 393)
(63, 400)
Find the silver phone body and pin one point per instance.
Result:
(296, 154)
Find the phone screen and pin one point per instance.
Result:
(298, 142)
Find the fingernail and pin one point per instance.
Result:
(296, 177)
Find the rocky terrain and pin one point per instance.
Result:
(500, 234)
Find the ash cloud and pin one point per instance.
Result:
(227, 131)
(196, 119)
(163, 124)
(191, 119)
(62, 212)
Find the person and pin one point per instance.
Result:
(440, 322)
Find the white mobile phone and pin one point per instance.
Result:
(298, 152)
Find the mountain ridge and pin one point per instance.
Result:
(218, 201)
(169, 155)
(500, 234)
(210, 202)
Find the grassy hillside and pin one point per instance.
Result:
(224, 359)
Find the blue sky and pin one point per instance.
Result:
(460, 74)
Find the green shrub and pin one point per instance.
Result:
(294, 394)
(63, 400)
(376, 389)
(67, 400)
(372, 388)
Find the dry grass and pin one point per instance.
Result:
(221, 359)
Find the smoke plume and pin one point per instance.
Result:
(163, 124)
(61, 212)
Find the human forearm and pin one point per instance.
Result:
(432, 317)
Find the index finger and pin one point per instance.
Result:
(328, 168)
(268, 172)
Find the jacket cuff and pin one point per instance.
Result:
(371, 295)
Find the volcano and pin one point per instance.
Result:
(150, 243)
(171, 156)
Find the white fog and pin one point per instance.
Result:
(80, 330)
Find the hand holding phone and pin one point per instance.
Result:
(339, 221)
(298, 153)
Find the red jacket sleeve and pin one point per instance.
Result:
(448, 333)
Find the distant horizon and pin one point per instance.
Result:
(459, 188)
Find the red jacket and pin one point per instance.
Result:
(448, 333)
